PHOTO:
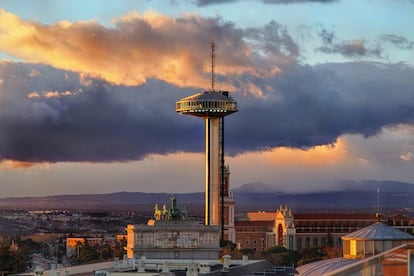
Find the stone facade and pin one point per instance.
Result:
(229, 227)
(173, 240)
(299, 231)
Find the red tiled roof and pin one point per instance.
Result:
(254, 223)
(347, 216)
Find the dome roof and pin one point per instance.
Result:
(378, 231)
(324, 266)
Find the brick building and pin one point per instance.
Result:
(257, 235)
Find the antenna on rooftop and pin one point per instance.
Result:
(377, 214)
(213, 57)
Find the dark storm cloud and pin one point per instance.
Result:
(215, 2)
(52, 115)
(315, 105)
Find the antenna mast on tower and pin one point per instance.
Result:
(213, 57)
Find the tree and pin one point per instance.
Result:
(88, 254)
(309, 255)
(248, 251)
(12, 260)
(119, 250)
(329, 250)
(105, 252)
(281, 256)
(5, 259)
(228, 248)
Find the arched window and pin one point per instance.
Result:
(280, 235)
(299, 243)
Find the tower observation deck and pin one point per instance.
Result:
(208, 104)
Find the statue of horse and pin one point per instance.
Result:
(157, 212)
(184, 213)
(165, 213)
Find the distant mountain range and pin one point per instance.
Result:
(353, 196)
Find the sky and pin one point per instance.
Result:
(325, 92)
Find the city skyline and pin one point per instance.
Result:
(88, 90)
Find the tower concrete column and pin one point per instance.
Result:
(212, 185)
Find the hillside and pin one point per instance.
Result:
(353, 195)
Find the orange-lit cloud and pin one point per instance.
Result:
(139, 47)
(325, 155)
(7, 165)
(53, 94)
(50, 94)
(316, 156)
(33, 94)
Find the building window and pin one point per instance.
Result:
(324, 242)
(247, 241)
(307, 242)
(254, 241)
(315, 242)
(299, 243)
(353, 248)
(280, 235)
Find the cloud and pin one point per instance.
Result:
(353, 49)
(407, 156)
(68, 119)
(296, 1)
(7, 165)
(356, 48)
(92, 93)
(273, 41)
(215, 2)
(314, 105)
(201, 3)
(101, 123)
(398, 41)
(141, 47)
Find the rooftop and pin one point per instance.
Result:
(334, 216)
(254, 223)
(379, 231)
(324, 266)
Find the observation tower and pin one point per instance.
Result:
(213, 106)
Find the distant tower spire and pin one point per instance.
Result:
(378, 203)
(213, 57)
